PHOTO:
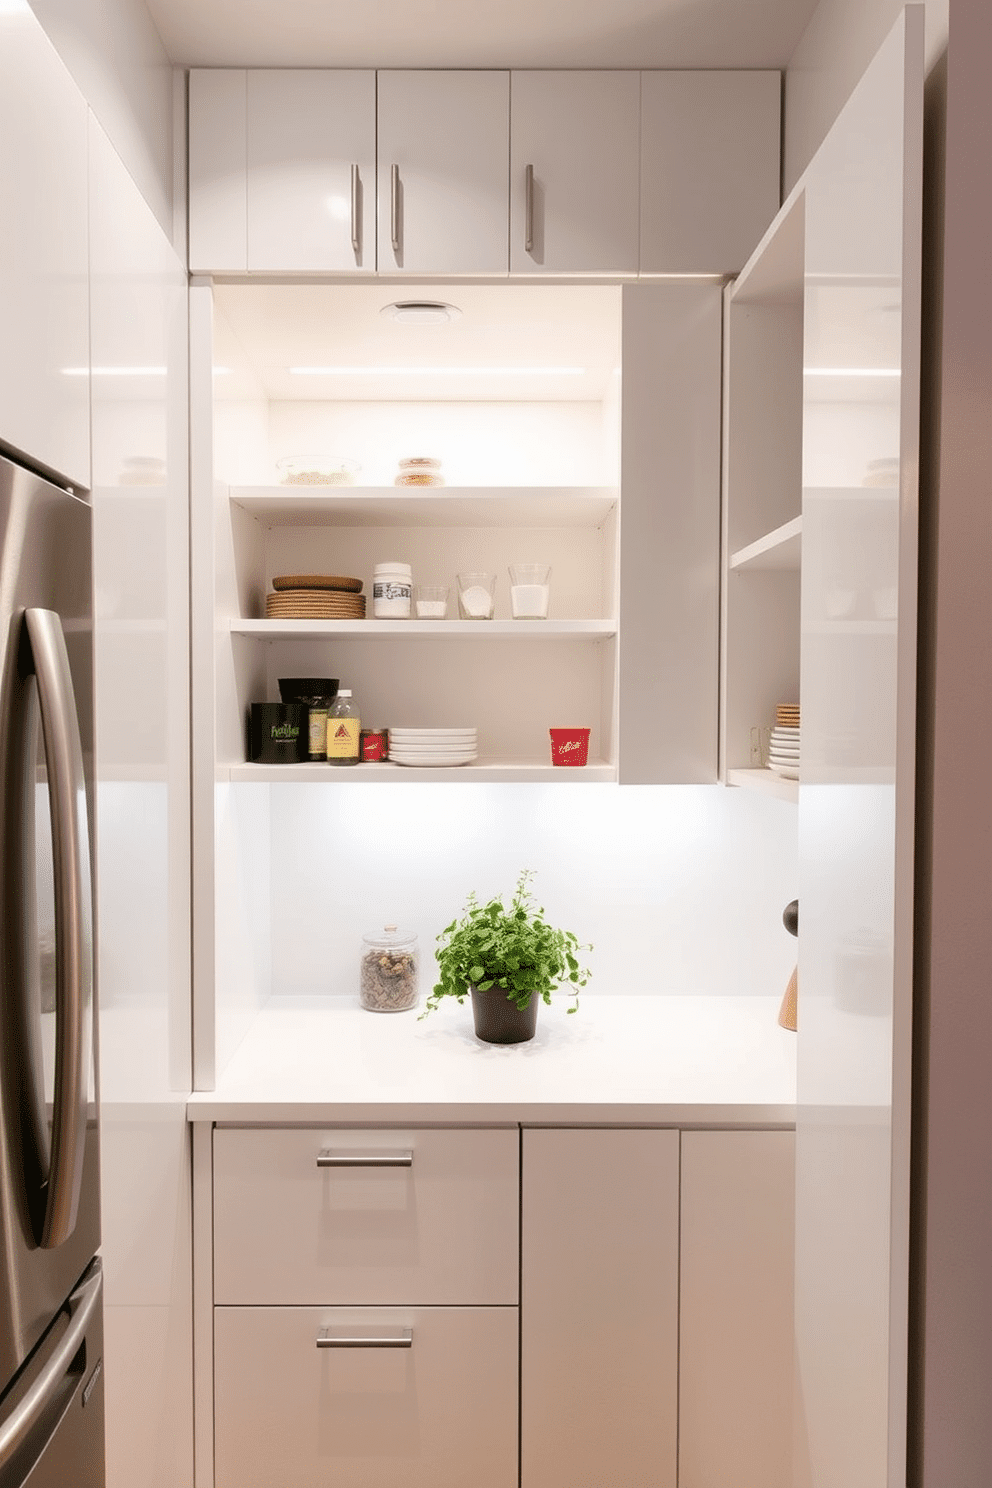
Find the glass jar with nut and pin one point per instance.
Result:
(388, 976)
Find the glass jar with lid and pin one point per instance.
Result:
(389, 970)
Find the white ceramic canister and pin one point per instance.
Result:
(392, 590)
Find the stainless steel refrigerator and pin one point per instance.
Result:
(51, 1387)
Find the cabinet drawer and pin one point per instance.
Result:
(441, 1229)
(438, 1413)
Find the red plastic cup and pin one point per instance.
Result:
(569, 746)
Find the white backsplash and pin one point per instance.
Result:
(680, 889)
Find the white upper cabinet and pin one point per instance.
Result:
(282, 170)
(443, 149)
(218, 199)
(310, 164)
(709, 184)
(574, 164)
(44, 254)
(447, 172)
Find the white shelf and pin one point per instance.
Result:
(451, 630)
(766, 782)
(778, 550)
(482, 772)
(449, 506)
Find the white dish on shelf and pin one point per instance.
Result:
(788, 750)
(787, 772)
(786, 732)
(415, 761)
(415, 735)
(414, 751)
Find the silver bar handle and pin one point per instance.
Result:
(82, 1304)
(73, 921)
(394, 206)
(327, 1158)
(529, 209)
(366, 1338)
(356, 219)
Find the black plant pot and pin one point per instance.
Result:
(500, 1021)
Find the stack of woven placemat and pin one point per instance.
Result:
(315, 597)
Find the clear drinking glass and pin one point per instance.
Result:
(431, 602)
(529, 591)
(476, 595)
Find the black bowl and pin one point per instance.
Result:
(301, 689)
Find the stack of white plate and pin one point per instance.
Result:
(783, 751)
(435, 747)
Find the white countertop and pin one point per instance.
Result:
(720, 1061)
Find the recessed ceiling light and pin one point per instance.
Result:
(421, 312)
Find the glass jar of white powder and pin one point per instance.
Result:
(476, 595)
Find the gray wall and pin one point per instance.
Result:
(119, 64)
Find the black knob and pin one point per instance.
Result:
(790, 917)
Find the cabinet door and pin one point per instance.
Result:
(218, 231)
(670, 533)
(574, 172)
(44, 254)
(443, 144)
(599, 1308)
(310, 161)
(293, 1412)
(710, 146)
(736, 1265)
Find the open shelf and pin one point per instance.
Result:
(449, 630)
(452, 506)
(781, 549)
(766, 782)
(481, 772)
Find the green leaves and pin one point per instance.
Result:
(514, 948)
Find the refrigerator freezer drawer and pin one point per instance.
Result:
(52, 1417)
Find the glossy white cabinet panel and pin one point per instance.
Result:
(599, 1308)
(709, 181)
(310, 1213)
(439, 1413)
(44, 254)
(735, 1308)
(310, 168)
(140, 521)
(218, 200)
(856, 806)
(443, 163)
(670, 533)
(574, 152)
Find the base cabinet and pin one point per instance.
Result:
(599, 1306)
(651, 1346)
(735, 1309)
(362, 1397)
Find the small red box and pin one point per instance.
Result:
(569, 746)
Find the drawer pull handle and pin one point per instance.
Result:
(529, 209)
(328, 1159)
(372, 1338)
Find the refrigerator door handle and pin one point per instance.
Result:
(82, 1304)
(73, 921)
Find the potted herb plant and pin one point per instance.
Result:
(507, 959)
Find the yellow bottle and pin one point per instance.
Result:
(343, 729)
